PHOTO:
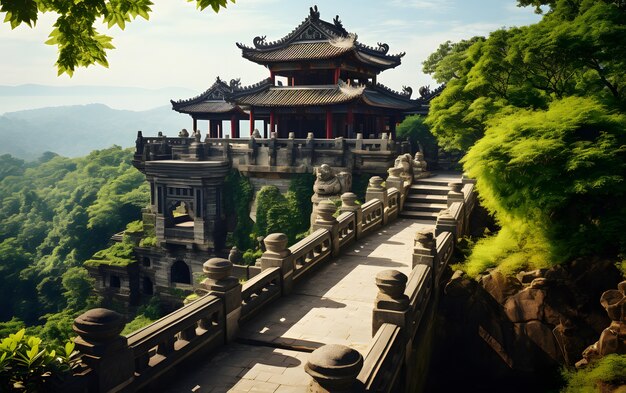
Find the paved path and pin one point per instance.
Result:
(333, 306)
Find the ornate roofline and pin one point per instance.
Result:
(239, 91)
(217, 89)
(427, 95)
(405, 94)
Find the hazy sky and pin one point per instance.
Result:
(183, 47)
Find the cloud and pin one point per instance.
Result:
(432, 5)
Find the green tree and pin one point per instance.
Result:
(78, 42)
(414, 129)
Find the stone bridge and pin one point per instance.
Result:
(349, 308)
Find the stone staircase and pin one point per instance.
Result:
(427, 197)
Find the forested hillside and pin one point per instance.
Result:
(54, 214)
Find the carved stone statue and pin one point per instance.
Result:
(419, 166)
(405, 163)
(613, 338)
(183, 133)
(327, 182)
(256, 134)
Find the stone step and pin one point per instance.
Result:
(428, 189)
(434, 182)
(428, 216)
(425, 207)
(427, 198)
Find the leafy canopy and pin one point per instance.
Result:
(78, 41)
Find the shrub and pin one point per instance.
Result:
(609, 370)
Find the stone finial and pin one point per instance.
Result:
(359, 135)
(325, 211)
(425, 239)
(273, 135)
(392, 283)
(310, 135)
(384, 135)
(276, 244)
(99, 325)
(334, 368)
(217, 268)
(256, 134)
(375, 183)
(394, 173)
(348, 199)
(292, 135)
(235, 256)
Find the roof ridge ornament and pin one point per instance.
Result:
(338, 23)
(383, 48)
(314, 14)
(259, 41)
(407, 91)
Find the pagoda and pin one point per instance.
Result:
(331, 87)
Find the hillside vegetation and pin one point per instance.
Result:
(55, 214)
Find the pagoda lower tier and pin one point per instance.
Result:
(327, 111)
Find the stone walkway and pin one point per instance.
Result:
(334, 306)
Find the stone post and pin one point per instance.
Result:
(334, 368)
(104, 350)
(223, 284)
(359, 141)
(394, 180)
(278, 255)
(425, 252)
(348, 204)
(455, 194)
(391, 304)
(325, 219)
(375, 190)
(446, 223)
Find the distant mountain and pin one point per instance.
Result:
(24, 97)
(76, 130)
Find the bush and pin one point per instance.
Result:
(119, 254)
(609, 370)
(27, 364)
(250, 257)
(238, 194)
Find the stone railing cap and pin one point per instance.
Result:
(334, 361)
(217, 265)
(99, 325)
(391, 277)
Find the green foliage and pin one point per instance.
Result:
(149, 241)
(359, 186)
(414, 129)
(445, 63)
(576, 49)
(140, 321)
(250, 256)
(609, 370)
(79, 43)
(238, 195)
(300, 192)
(555, 181)
(27, 364)
(119, 254)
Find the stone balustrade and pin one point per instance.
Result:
(259, 291)
(294, 155)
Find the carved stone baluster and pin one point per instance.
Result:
(334, 368)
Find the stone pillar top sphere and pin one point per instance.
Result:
(325, 211)
(375, 183)
(217, 268)
(99, 325)
(335, 367)
(348, 199)
(391, 282)
(276, 242)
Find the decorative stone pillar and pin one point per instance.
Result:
(359, 141)
(334, 368)
(326, 219)
(375, 190)
(446, 223)
(455, 194)
(278, 255)
(348, 204)
(104, 350)
(235, 257)
(424, 249)
(394, 180)
(391, 304)
(223, 284)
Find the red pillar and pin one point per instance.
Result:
(329, 124)
(233, 127)
(251, 121)
(350, 121)
(337, 71)
(272, 122)
(293, 81)
(272, 77)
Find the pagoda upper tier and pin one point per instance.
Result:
(326, 51)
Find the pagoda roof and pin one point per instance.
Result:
(316, 39)
(210, 101)
(266, 95)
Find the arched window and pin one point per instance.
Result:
(148, 288)
(114, 282)
(180, 273)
